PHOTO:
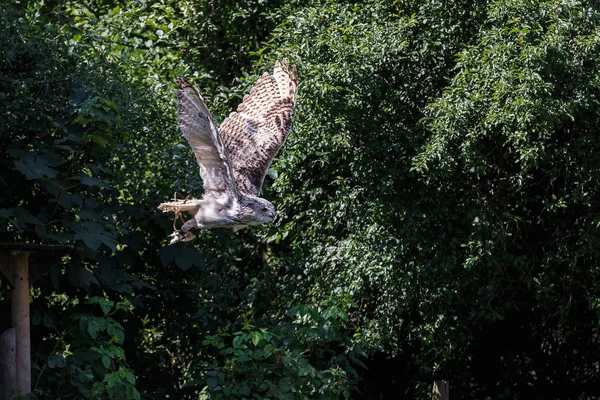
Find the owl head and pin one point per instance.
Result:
(257, 211)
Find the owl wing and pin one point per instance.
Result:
(254, 134)
(199, 129)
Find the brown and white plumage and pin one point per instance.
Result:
(234, 159)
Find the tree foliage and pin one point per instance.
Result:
(437, 199)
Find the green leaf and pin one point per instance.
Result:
(188, 257)
(100, 140)
(115, 329)
(105, 304)
(256, 337)
(130, 378)
(85, 355)
(57, 361)
(94, 235)
(91, 181)
(113, 379)
(95, 325)
(238, 342)
(49, 321)
(80, 277)
(34, 167)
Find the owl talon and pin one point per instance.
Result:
(176, 236)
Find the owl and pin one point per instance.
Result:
(234, 158)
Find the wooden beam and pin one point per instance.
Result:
(42, 257)
(20, 319)
(8, 380)
(441, 390)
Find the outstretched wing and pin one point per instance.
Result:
(254, 134)
(200, 130)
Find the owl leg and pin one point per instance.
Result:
(177, 215)
(189, 225)
(185, 233)
(187, 228)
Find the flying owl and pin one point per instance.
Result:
(234, 159)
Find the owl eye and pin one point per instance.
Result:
(264, 209)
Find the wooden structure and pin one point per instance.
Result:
(8, 364)
(441, 390)
(21, 264)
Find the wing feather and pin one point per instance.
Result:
(199, 129)
(253, 135)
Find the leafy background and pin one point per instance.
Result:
(437, 198)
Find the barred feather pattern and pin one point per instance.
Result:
(253, 135)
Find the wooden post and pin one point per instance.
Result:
(441, 390)
(20, 319)
(15, 265)
(8, 379)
